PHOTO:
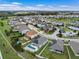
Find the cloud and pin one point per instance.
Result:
(7, 5)
(64, 6)
(16, 3)
(40, 5)
(16, 6)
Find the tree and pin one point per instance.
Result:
(59, 35)
(7, 32)
(16, 44)
(1, 23)
(78, 34)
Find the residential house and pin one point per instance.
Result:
(21, 28)
(31, 34)
(58, 23)
(39, 41)
(57, 46)
(75, 47)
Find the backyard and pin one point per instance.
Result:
(52, 55)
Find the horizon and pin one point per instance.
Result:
(38, 5)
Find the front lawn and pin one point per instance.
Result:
(7, 52)
(50, 32)
(72, 54)
(53, 55)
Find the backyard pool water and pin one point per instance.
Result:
(31, 48)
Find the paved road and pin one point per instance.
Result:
(68, 52)
(54, 36)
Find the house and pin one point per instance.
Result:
(58, 23)
(39, 41)
(32, 27)
(73, 28)
(57, 46)
(75, 23)
(16, 21)
(31, 34)
(40, 25)
(47, 28)
(75, 47)
(69, 34)
(21, 28)
(13, 22)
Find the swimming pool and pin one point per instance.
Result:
(31, 47)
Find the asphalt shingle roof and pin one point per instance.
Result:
(39, 41)
(75, 46)
(58, 45)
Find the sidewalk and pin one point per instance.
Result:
(1, 55)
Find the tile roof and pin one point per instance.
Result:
(31, 33)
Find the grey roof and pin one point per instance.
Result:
(58, 45)
(47, 27)
(57, 23)
(13, 22)
(73, 28)
(75, 46)
(75, 23)
(22, 28)
(39, 41)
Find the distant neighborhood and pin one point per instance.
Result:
(37, 31)
(38, 36)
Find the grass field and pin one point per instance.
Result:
(53, 55)
(6, 50)
(65, 20)
(72, 54)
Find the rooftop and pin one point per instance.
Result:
(75, 47)
(31, 33)
(57, 46)
(40, 41)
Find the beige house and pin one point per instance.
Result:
(31, 34)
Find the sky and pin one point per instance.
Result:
(44, 5)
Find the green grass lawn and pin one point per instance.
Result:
(50, 32)
(41, 49)
(72, 54)
(65, 20)
(53, 55)
(7, 52)
(28, 55)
